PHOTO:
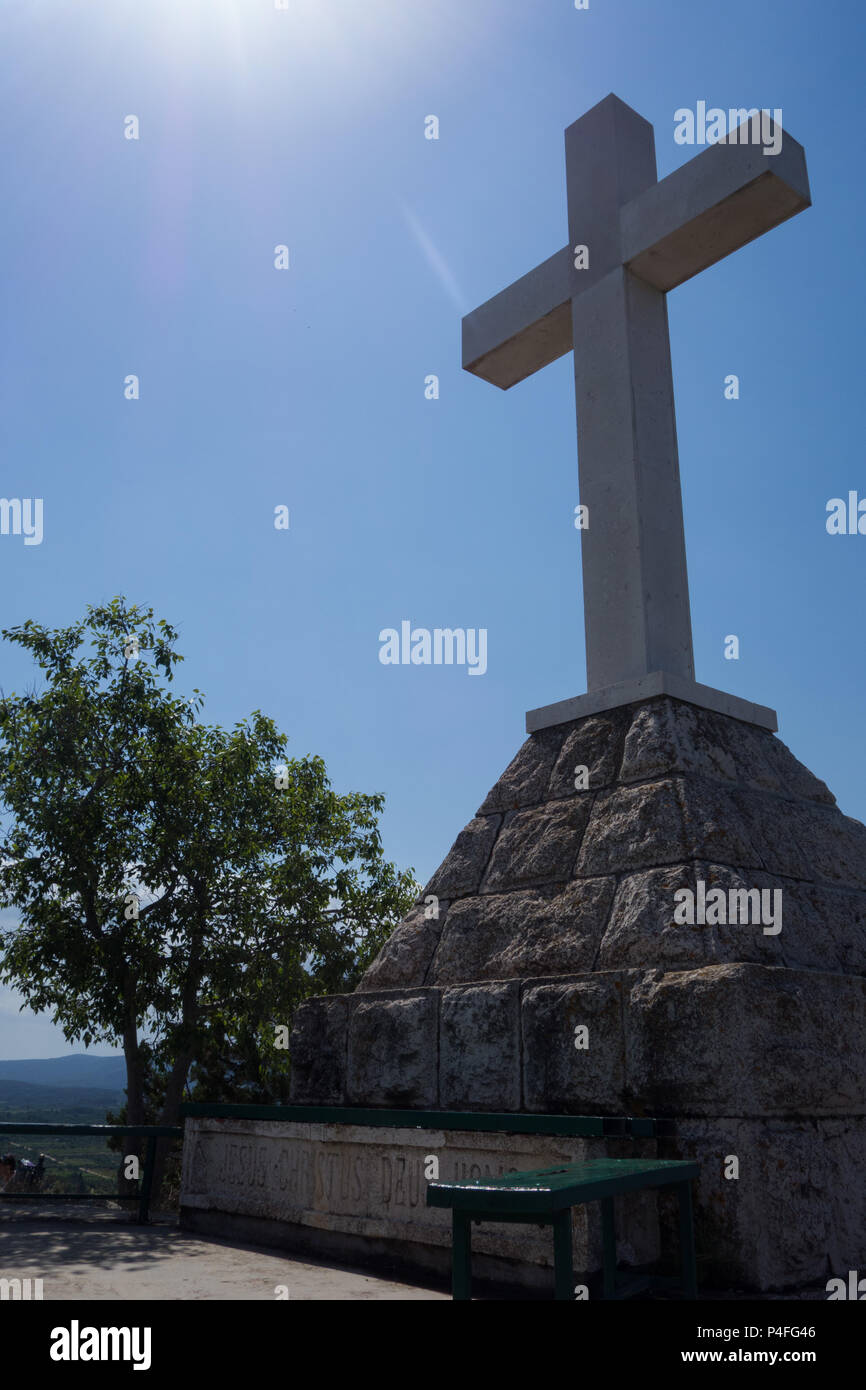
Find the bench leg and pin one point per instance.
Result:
(461, 1255)
(608, 1247)
(563, 1260)
(687, 1241)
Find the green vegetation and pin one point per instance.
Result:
(179, 887)
(75, 1163)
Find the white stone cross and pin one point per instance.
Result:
(642, 238)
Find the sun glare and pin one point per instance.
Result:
(313, 41)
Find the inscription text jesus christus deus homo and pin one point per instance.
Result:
(321, 1174)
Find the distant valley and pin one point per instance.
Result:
(106, 1073)
(64, 1091)
(20, 1096)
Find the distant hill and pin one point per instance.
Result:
(21, 1095)
(106, 1073)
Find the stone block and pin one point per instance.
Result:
(406, 956)
(799, 781)
(318, 1045)
(835, 845)
(752, 751)
(671, 737)
(740, 935)
(595, 744)
(842, 914)
(666, 737)
(714, 828)
(557, 1076)
(796, 1212)
(632, 828)
(524, 934)
(747, 1040)
(642, 931)
(479, 1048)
(772, 831)
(461, 871)
(524, 781)
(538, 846)
(393, 1051)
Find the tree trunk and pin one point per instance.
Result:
(186, 1039)
(134, 1076)
(134, 1099)
(169, 1115)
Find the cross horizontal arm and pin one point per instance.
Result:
(718, 202)
(525, 327)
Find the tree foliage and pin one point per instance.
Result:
(179, 886)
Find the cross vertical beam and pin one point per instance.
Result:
(635, 581)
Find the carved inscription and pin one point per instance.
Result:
(339, 1174)
(243, 1165)
(296, 1173)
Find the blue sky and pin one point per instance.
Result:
(305, 127)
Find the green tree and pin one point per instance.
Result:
(179, 887)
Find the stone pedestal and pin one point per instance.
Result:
(556, 912)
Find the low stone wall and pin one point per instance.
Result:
(779, 1203)
(358, 1193)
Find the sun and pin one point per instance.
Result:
(331, 34)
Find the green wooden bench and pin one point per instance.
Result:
(546, 1197)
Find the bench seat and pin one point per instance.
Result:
(546, 1197)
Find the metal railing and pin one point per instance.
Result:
(608, 1126)
(149, 1132)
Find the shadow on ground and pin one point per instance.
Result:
(108, 1258)
(104, 1255)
